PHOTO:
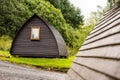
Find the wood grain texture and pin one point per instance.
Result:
(47, 46)
(111, 40)
(103, 52)
(108, 16)
(75, 75)
(99, 56)
(103, 35)
(87, 73)
(99, 64)
(105, 22)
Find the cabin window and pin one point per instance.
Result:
(35, 33)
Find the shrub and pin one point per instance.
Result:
(5, 43)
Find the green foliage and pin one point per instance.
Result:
(71, 14)
(77, 38)
(5, 43)
(96, 16)
(111, 3)
(55, 17)
(48, 12)
(14, 13)
(54, 64)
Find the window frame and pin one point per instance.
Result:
(31, 33)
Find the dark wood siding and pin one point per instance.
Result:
(99, 56)
(60, 42)
(46, 47)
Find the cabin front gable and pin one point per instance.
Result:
(45, 46)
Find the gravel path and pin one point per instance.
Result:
(9, 71)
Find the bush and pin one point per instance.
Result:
(76, 39)
(5, 43)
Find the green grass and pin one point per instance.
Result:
(54, 64)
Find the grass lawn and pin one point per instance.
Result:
(54, 64)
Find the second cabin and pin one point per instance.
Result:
(36, 38)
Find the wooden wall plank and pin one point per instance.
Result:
(109, 13)
(105, 52)
(114, 18)
(108, 67)
(74, 76)
(110, 29)
(46, 45)
(35, 55)
(108, 41)
(99, 56)
(103, 26)
(87, 73)
(107, 17)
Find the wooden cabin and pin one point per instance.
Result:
(99, 56)
(36, 38)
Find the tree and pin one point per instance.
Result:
(96, 16)
(111, 3)
(71, 14)
(11, 16)
(15, 12)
